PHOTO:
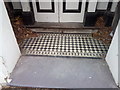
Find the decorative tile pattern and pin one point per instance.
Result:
(73, 45)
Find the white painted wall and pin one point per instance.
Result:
(10, 52)
(2, 75)
(112, 56)
(102, 4)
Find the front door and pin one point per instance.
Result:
(45, 10)
(59, 10)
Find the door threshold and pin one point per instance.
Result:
(53, 25)
(64, 31)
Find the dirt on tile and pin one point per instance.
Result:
(103, 33)
(20, 31)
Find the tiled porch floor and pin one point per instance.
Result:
(68, 45)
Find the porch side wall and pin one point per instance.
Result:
(112, 55)
(10, 52)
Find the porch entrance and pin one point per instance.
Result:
(59, 10)
(55, 60)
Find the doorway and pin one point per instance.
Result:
(59, 10)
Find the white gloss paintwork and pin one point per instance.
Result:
(59, 16)
(72, 17)
(102, 4)
(92, 6)
(114, 4)
(46, 17)
(17, 4)
(72, 5)
(25, 6)
(45, 5)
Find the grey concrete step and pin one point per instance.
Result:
(56, 72)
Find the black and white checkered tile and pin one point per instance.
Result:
(73, 45)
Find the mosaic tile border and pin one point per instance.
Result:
(63, 54)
